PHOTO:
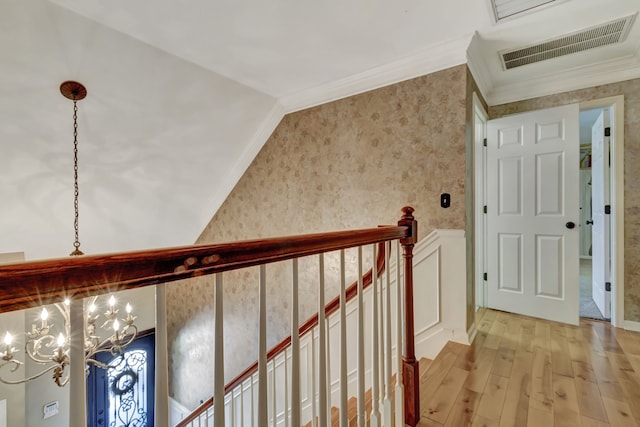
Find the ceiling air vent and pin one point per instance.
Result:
(610, 33)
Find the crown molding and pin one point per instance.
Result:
(567, 80)
(428, 60)
(478, 67)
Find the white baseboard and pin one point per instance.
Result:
(630, 325)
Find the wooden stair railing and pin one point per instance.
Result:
(306, 327)
(37, 283)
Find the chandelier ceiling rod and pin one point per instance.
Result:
(75, 91)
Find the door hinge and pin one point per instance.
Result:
(485, 276)
(607, 286)
(484, 142)
(607, 209)
(484, 209)
(607, 131)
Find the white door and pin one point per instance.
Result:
(532, 209)
(600, 237)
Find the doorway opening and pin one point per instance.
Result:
(595, 212)
(613, 210)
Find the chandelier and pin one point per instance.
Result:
(47, 347)
(44, 344)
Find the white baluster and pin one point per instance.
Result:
(218, 361)
(375, 366)
(388, 401)
(343, 345)
(242, 403)
(322, 350)
(295, 350)
(286, 390)
(232, 409)
(274, 413)
(399, 391)
(361, 366)
(253, 406)
(263, 415)
(314, 402)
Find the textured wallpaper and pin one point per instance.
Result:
(352, 163)
(631, 91)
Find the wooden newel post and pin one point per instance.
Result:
(410, 375)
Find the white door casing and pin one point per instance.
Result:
(600, 230)
(532, 200)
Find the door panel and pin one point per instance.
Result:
(532, 193)
(600, 231)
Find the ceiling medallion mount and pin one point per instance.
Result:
(73, 90)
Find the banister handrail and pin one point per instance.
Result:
(310, 323)
(29, 284)
(36, 283)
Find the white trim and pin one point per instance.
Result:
(574, 79)
(479, 195)
(428, 60)
(478, 67)
(616, 103)
(630, 325)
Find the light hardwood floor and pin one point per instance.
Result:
(522, 371)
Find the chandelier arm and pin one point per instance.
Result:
(35, 354)
(96, 363)
(33, 377)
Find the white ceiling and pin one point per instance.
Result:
(182, 95)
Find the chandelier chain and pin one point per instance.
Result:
(76, 191)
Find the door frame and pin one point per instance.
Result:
(616, 105)
(479, 134)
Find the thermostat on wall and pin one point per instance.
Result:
(50, 409)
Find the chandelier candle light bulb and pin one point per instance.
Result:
(44, 315)
(8, 352)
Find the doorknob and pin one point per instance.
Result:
(589, 222)
(570, 225)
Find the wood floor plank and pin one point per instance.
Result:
(566, 411)
(480, 370)
(590, 400)
(630, 343)
(541, 397)
(538, 417)
(436, 373)
(628, 379)
(590, 422)
(542, 337)
(440, 405)
(584, 371)
(607, 381)
(516, 404)
(495, 336)
(527, 334)
(464, 409)
(503, 361)
(493, 397)
(479, 421)
(560, 356)
(619, 413)
(579, 348)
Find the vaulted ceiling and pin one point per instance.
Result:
(181, 96)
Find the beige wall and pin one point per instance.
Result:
(631, 91)
(348, 164)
